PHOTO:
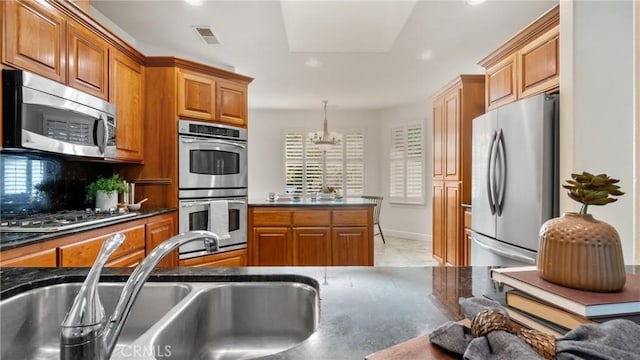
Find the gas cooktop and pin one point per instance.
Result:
(58, 221)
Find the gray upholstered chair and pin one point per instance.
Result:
(376, 211)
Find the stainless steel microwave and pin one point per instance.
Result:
(42, 114)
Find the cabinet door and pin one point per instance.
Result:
(35, 38)
(158, 231)
(225, 259)
(452, 227)
(232, 103)
(87, 61)
(350, 246)
(438, 140)
(272, 246)
(196, 96)
(539, 64)
(312, 246)
(438, 241)
(126, 91)
(452, 135)
(84, 253)
(42, 258)
(501, 87)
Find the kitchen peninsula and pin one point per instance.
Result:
(310, 233)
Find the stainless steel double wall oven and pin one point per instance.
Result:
(212, 166)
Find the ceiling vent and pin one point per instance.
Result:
(206, 34)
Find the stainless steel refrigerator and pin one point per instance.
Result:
(514, 186)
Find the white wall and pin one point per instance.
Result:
(406, 221)
(266, 139)
(599, 113)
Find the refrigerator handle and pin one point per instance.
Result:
(503, 173)
(489, 177)
(504, 253)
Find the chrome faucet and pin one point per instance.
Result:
(85, 333)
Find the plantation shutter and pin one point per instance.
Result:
(344, 169)
(406, 167)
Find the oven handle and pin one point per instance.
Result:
(198, 203)
(196, 141)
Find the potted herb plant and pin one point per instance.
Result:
(579, 251)
(105, 191)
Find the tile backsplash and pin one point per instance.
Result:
(40, 183)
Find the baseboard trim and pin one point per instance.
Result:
(405, 234)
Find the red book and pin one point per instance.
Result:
(584, 303)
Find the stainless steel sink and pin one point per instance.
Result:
(30, 322)
(239, 321)
(209, 320)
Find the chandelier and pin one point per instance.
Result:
(325, 140)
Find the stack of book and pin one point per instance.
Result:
(555, 309)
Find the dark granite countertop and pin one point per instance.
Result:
(9, 240)
(347, 202)
(362, 309)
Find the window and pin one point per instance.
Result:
(21, 175)
(406, 165)
(343, 169)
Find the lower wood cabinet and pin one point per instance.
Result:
(311, 246)
(272, 246)
(307, 236)
(81, 249)
(225, 259)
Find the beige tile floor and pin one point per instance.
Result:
(402, 252)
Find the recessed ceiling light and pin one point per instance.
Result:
(313, 63)
(194, 2)
(475, 2)
(426, 55)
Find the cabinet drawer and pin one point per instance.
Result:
(84, 253)
(44, 258)
(312, 217)
(225, 259)
(265, 217)
(129, 260)
(350, 217)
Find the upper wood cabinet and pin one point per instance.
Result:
(232, 103)
(87, 61)
(35, 38)
(540, 64)
(454, 107)
(502, 84)
(196, 96)
(126, 91)
(527, 64)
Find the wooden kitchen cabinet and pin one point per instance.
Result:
(232, 103)
(126, 91)
(87, 61)
(466, 245)
(196, 96)
(540, 64)
(311, 236)
(41, 258)
(502, 83)
(272, 246)
(350, 246)
(454, 108)
(84, 253)
(35, 38)
(80, 249)
(311, 246)
(226, 259)
(525, 65)
(438, 215)
(159, 229)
